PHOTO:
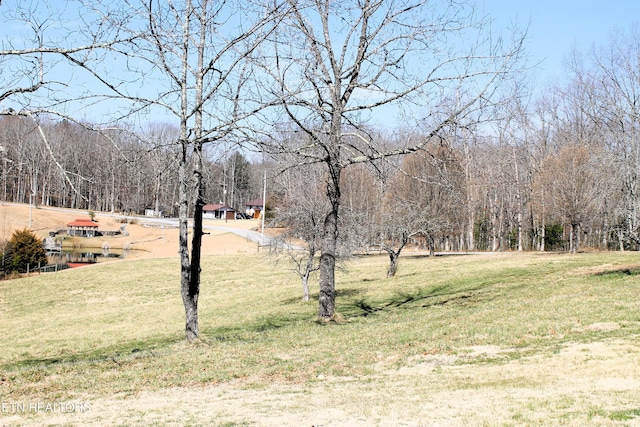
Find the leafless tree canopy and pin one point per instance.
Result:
(334, 64)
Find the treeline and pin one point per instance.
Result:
(73, 166)
(468, 194)
(560, 171)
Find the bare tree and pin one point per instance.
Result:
(299, 211)
(237, 180)
(363, 187)
(397, 224)
(160, 158)
(575, 187)
(197, 52)
(423, 201)
(333, 63)
(611, 87)
(182, 62)
(32, 83)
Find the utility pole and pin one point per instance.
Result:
(264, 204)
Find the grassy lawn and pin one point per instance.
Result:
(507, 339)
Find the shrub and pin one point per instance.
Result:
(553, 237)
(23, 249)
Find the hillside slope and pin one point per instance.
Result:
(145, 239)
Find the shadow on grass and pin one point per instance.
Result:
(625, 271)
(252, 330)
(114, 353)
(426, 297)
(340, 293)
(271, 323)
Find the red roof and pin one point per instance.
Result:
(216, 207)
(83, 223)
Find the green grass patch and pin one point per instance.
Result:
(624, 415)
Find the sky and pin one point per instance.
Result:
(555, 26)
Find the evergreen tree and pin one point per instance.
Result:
(23, 249)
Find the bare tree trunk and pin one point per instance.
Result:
(495, 224)
(469, 197)
(432, 246)
(194, 283)
(189, 298)
(393, 263)
(543, 225)
(471, 246)
(327, 298)
(157, 194)
(190, 265)
(518, 202)
(394, 254)
(308, 269)
(305, 280)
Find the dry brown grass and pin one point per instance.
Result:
(500, 340)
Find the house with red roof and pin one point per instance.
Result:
(82, 228)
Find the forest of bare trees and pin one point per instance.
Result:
(115, 173)
(554, 171)
(486, 163)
